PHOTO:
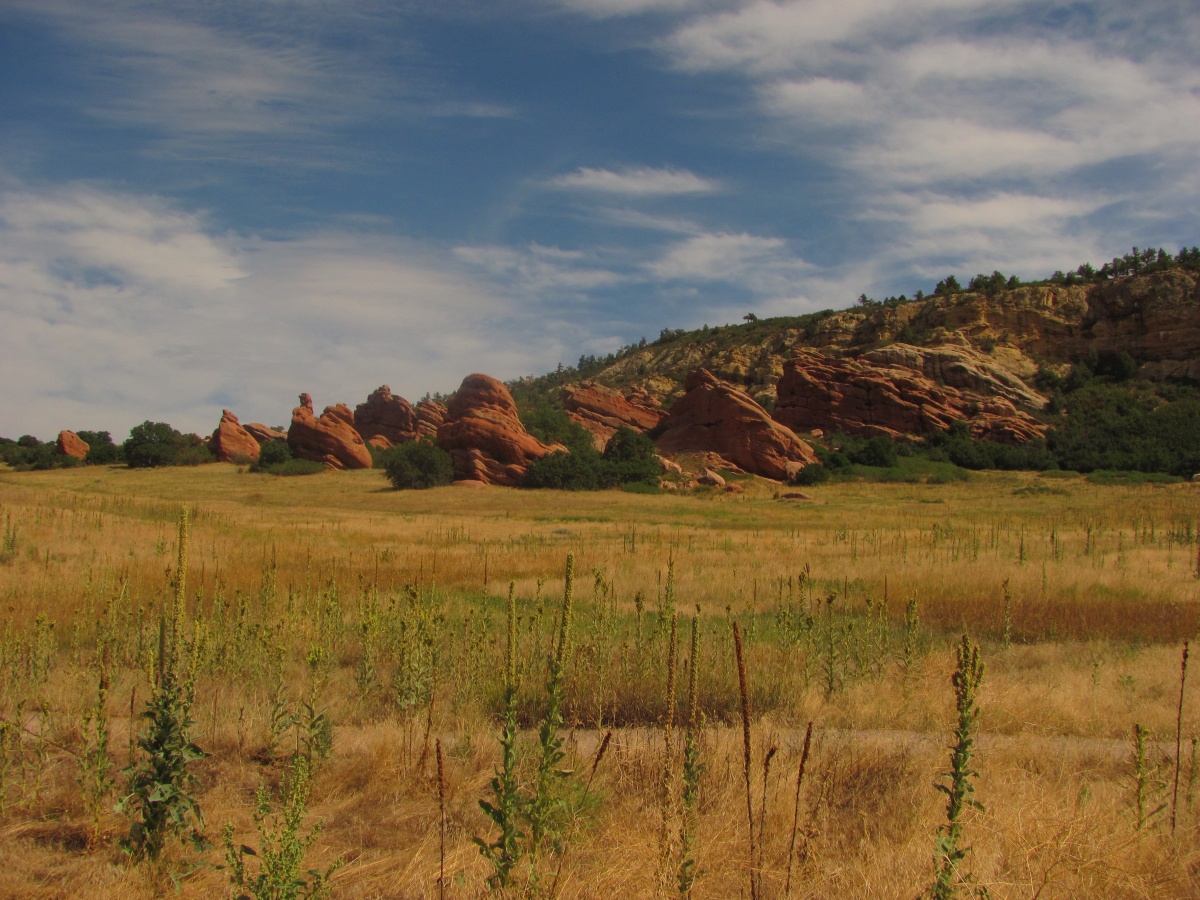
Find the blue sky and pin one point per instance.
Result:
(225, 203)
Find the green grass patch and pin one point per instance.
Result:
(293, 467)
(1111, 477)
(908, 470)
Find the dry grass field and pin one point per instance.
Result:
(364, 631)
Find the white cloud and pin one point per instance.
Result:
(636, 182)
(537, 270)
(116, 308)
(256, 83)
(763, 266)
(969, 132)
(604, 9)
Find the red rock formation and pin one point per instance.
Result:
(71, 444)
(485, 437)
(329, 439)
(886, 392)
(231, 442)
(264, 434)
(602, 411)
(430, 416)
(387, 416)
(716, 417)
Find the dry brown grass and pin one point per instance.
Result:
(1104, 587)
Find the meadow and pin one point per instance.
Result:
(327, 653)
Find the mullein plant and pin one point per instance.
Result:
(960, 792)
(688, 870)
(161, 784)
(505, 808)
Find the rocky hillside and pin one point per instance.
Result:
(993, 365)
(993, 342)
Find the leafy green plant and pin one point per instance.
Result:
(161, 782)
(960, 792)
(282, 845)
(688, 869)
(505, 808)
(550, 778)
(421, 464)
(95, 760)
(1147, 782)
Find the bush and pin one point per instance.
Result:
(554, 426)
(418, 465)
(628, 458)
(582, 470)
(295, 467)
(810, 475)
(633, 457)
(154, 444)
(878, 452)
(272, 453)
(101, 449)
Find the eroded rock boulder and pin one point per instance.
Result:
(484, 435)
(602, 410)
(385, 419)
(329, 438)
(430, 416)
(715, 417)
(71, 444)
(231, 442)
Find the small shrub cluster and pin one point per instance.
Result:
(154, 444)
(29, 453)
(421, 464)
(276, 458)
(628, 459)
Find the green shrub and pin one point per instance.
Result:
(582, 470)
(810, 475)
(633, 457)
(273, 453)
(421, 464)
(154, 444)
(628, 458)
(101, 449)
(295, 467)
(878, 451)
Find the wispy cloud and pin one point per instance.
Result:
(641, 182)
(989, 118)
(250, 82)
(182, 320)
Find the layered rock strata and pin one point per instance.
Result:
(887, 392)
(231, 442)
(602, 410)
(484, 435)
(330, 438)
(385, 419)
(713, 416)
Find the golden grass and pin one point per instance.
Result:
(1104, 587)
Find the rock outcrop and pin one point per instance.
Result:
(264, 434)
(485, 437)
(231, 442)
(713, 416)
(602, 410)
(430, 416)
(385, 419)
(329, 438)
(887, 392)
(71, 444)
